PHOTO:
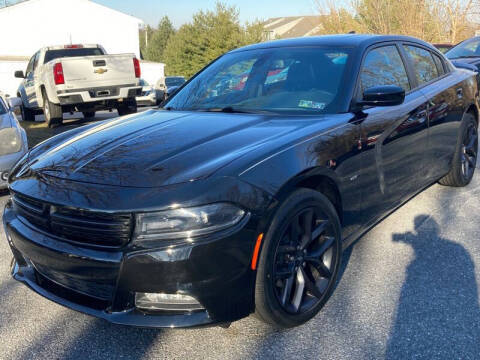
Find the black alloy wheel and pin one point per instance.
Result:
(300, 260)
(465, 158)
(469, 151)
(304, 261)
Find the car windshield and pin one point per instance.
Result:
(469, 48)
(278, 80)
(144, 83)
(63, 53)
(174, 81)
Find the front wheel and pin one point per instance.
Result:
(465, 158)
(300, 260)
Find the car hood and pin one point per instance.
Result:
(156, 148)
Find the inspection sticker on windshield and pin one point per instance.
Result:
(311, 104)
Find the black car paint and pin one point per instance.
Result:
(367, 161)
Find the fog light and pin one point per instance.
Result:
(4, 176)
(166, 302)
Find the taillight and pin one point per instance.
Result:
(58, 74)
(73, 46)
(136, 65)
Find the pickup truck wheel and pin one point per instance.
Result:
(88, 114)
(27, 114)
(129, 106)
(53, 113)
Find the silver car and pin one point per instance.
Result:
(13, 139)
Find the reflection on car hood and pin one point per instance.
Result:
(156, 148)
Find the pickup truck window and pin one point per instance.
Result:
(63, 53)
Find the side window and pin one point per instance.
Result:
(30, 65)
(439, 63)
(423, 65)
(384, 66)
(35, 61)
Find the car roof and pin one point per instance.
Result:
(342, 40)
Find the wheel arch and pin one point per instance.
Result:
(42, 90)
(318, 179)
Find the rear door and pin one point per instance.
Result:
(446, 104)
(394, 139)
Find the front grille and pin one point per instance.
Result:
(68, 294)
(75, 225)
(102, 290)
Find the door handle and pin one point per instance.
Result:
(460, 93)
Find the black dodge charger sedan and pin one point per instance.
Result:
(241, 193)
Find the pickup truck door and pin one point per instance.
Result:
(29, 82)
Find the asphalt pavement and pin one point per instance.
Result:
(408, 291)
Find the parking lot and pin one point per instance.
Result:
(408, 290)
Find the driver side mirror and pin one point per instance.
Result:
(19, 74)
(385, 95)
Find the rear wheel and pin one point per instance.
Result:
(53, 113)
(88, 114)
(465, 158)
(128, 106)
(300, 260)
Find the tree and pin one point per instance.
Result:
(209, 35)
(431, 20)
(158, 39)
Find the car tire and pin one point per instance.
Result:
(53, 113)
(280, 298)
(129, 106)
(465, 157)
(89, 114)
(27, 114)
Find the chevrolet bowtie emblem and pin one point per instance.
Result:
(100, 71)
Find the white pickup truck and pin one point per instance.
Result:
(83, 78)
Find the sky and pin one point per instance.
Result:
(181, 11)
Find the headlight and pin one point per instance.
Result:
(10, 141)
(187, 222)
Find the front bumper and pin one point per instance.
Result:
(214, 271)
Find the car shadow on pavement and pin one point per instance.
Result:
(438, 314)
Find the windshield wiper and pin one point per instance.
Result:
(227, 109)
(233, 110)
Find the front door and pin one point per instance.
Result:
(394, 139)
(29, 82)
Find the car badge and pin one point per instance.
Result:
(101, 71)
